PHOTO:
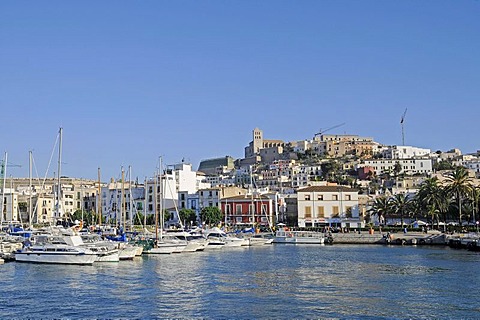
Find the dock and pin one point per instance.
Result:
(399, 238)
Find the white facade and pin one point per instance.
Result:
(133, 202)
(326, 205)
(473, 165)
(404, 152)
(10, 205)
(409, 166)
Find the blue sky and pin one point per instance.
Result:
(130, 81)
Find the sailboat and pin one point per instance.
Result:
(163, 244)
(254, 239)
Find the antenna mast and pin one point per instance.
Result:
(402, 120)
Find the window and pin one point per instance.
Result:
(320, 197)
(264, 209)
(335, 197)
(238, 209)
(335, 210)
(307, 197)
(348, 197)
(227, 209)
(308, 212)
(321, 212)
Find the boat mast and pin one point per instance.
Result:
(145, 205)
(155, 202)
(57, 213)
(122, 214)
(11, 198)
(130, 195)
(162, 203)
(30, 210)
(99, 200)
(253, 204)
(3, 173)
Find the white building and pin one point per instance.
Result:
(328, 206)
(408, 166)
(122, 201)
(404, 152)
(473, 165)
(10, 205)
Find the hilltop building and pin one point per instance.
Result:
(404, 152)
(217, 165)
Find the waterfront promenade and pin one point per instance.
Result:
(401, 238)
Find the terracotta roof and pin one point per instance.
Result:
(327, 189)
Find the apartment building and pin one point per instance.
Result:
(404, 152)
(320, 206)
(408, 166)
(245, 210)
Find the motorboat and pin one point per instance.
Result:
(56, 250)
(230, 241)
(106, 251)
(299, 237)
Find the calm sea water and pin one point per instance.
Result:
(274, 282)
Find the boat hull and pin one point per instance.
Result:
(56, 258)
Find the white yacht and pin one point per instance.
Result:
(299, 237)
(215, 234)
(56, 250)
(259, 240)
(106, 250)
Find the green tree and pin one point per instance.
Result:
(211, 215)
(187, 215)
(381, 208)
(442, 165)
(400, 204)
(432, 198)
(459, 185)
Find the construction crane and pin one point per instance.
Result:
(328, 129)
(402, 120)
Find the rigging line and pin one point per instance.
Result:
(174, 203)
(51, 157)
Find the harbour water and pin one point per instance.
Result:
(271, 282)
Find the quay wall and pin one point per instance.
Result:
(394, 238)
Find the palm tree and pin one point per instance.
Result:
(400, 204)
(458, 185)
(432, 197)
(381, 208)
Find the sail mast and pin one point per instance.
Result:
(253, 204)
(57, 213)
(3, 174)
(161, 199)
(123, 201)
(30, 210)
(145, 205)
(99, 200)
(130, 195)
(155, 201)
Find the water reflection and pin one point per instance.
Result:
(277, 281)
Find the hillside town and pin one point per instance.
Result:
(331, 180)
